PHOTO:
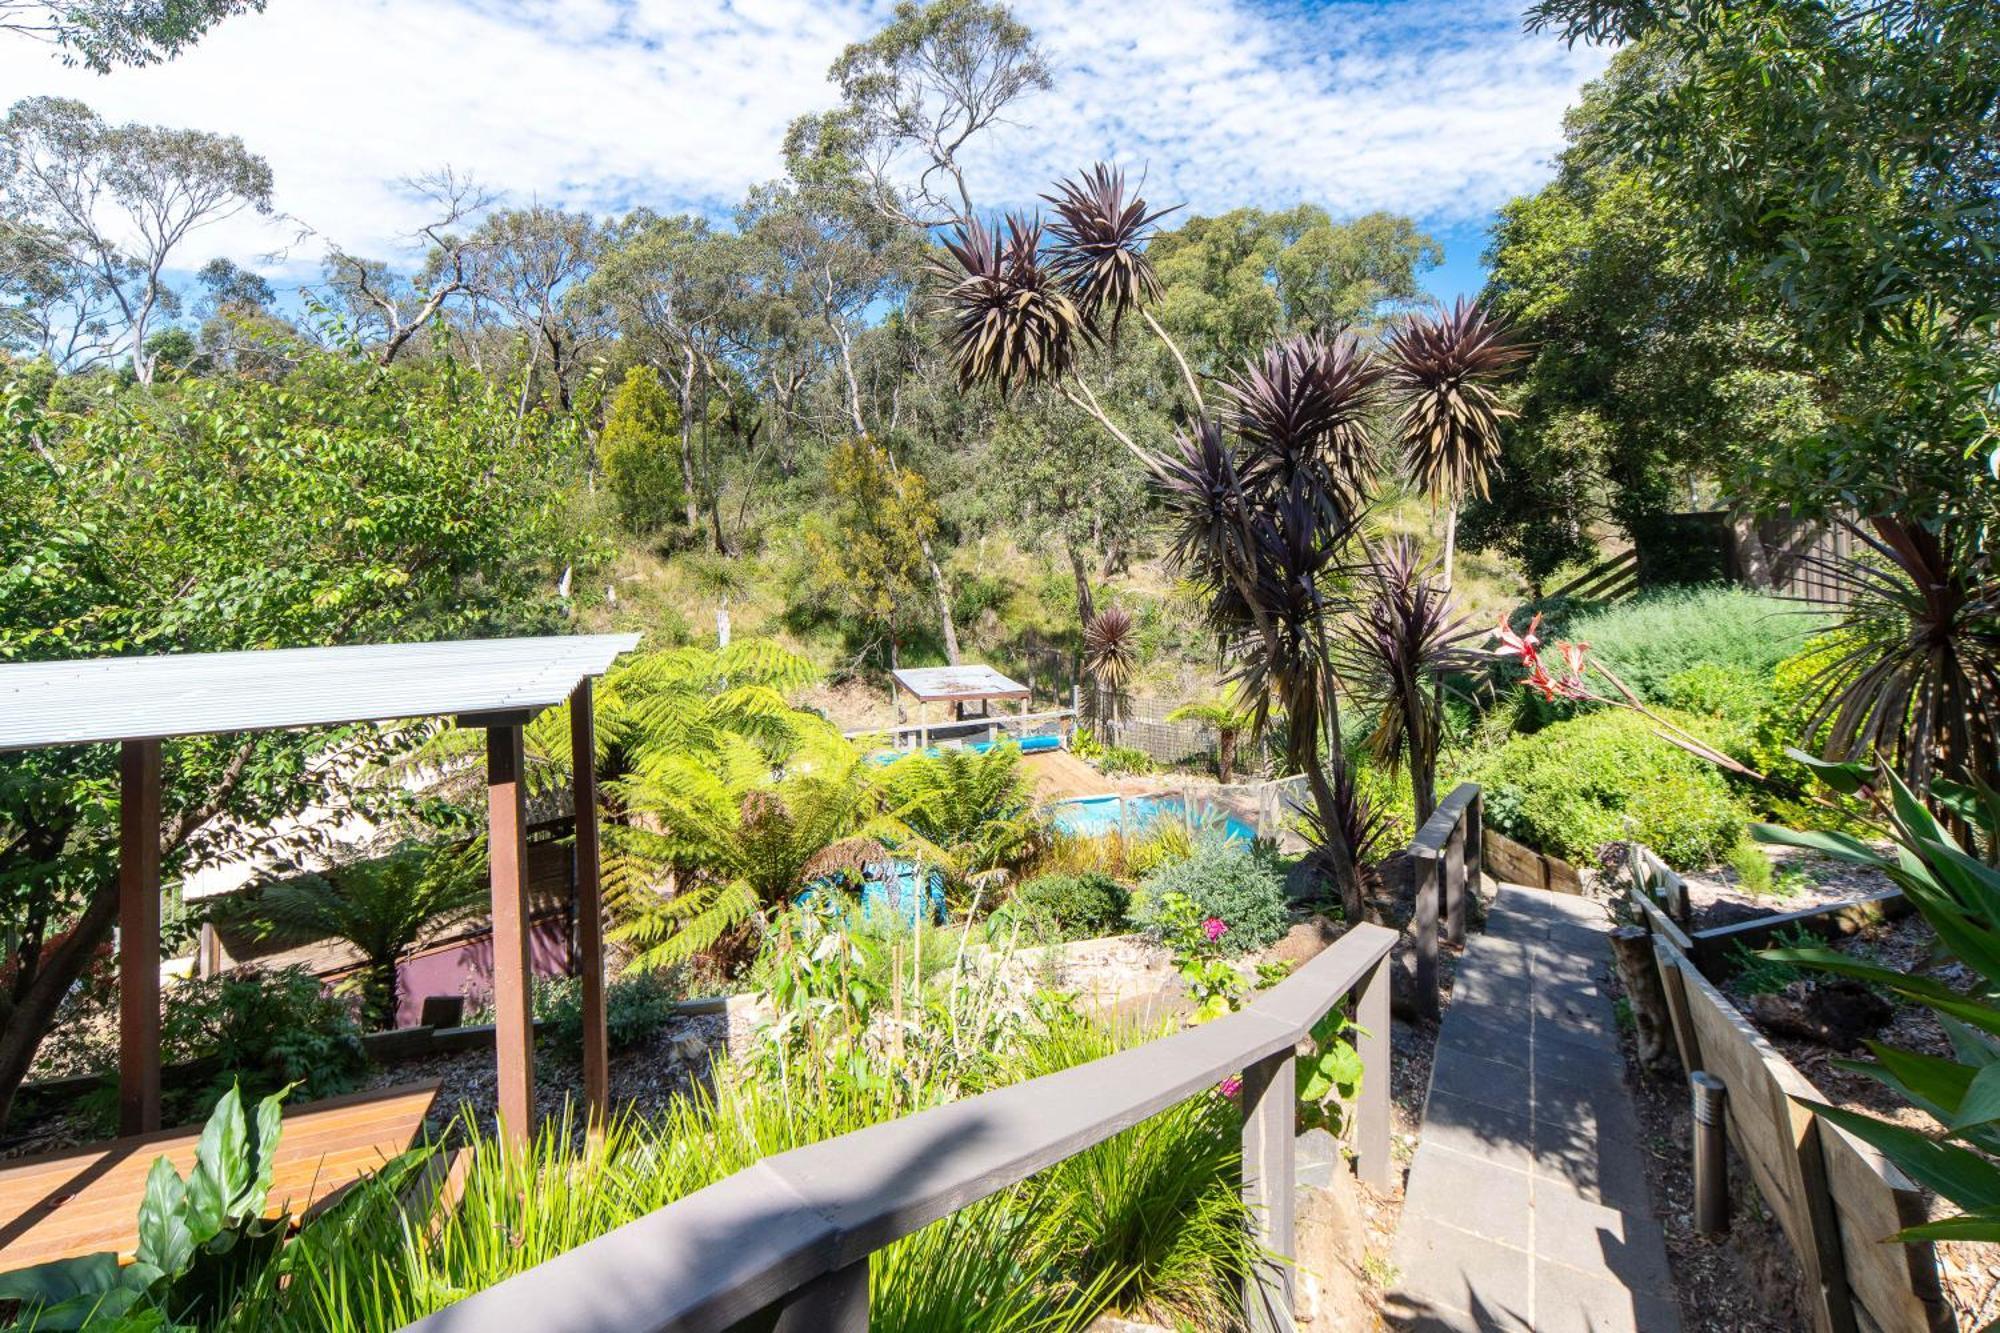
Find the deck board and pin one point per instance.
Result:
(1059, 775)
(86, 1200)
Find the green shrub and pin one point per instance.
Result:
(1124, 761)
(265, 1029)
(1658, 637)
(1572, 787)
(1752, 866)
(640, 453)
(1081, 906)
(1239, 885)
(636, 1005)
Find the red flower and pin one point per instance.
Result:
(1526, 645)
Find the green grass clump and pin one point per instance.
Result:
(1604, 777)
(1149, 1224)
(1078, 906)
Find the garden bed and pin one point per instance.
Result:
(1968, 1273)
(1834, 1198)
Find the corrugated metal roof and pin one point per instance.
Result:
(959, 682)
(192, 694)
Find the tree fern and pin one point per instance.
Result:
(973, 807)
(716, 843)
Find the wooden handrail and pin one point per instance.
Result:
(792, 1234)
(1448, 851)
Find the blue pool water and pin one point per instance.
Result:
(1095, 816)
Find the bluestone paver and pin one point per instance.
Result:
(1527, 1206)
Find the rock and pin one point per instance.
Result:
(1839, 1013)
(1330, 1237)
(1403, 985)
(687, 1048)
(1111, 1323)
(1305, 941)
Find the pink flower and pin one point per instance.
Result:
(1230, 1086)
(1215, 928)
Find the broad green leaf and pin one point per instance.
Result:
(1844, 777)
(165, 1241)
(1934, 1084)
(1841, 846)
(1972, 1047)
(1976, 1229)
(1981, 1104)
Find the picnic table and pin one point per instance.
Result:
(86, 1200)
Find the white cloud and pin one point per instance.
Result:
(1440, 108)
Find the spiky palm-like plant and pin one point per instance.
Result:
(1303, 409)
(1405, 635)
(1262, 520)
(1098, 245)
(1111, 655)
(1916, 674)
(1443, 368)
(1014, 321)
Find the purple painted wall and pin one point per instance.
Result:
(467, 969)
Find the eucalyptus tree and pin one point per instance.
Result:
(913, 97)
(389, 308)
(530, 267)
(1233, 282)
(104, 34)
(111, 205)
(672, 287)
(842, 261)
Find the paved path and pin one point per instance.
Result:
(1527, 1205)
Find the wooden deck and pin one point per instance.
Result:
(1059, 775)
(86, 1200)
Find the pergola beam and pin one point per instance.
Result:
(507, 863)
(589, 906)
(139, 937)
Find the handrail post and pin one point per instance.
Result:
(1270, 1100)
(1371, 1112)
(1429, 876)
(835, 1302)
(1456, 851)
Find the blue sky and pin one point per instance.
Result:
(1442, 109)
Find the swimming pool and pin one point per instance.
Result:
(1096, 816)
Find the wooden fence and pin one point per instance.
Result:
(784, 1245)
(1446, 854)
(1835, 1198)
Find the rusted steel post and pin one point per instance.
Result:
(1270, 1110)
(1371, 1113)
(139, 937)
(589, 906)
(835, 1302)
(507, 853)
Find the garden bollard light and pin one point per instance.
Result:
(1711, 1171)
